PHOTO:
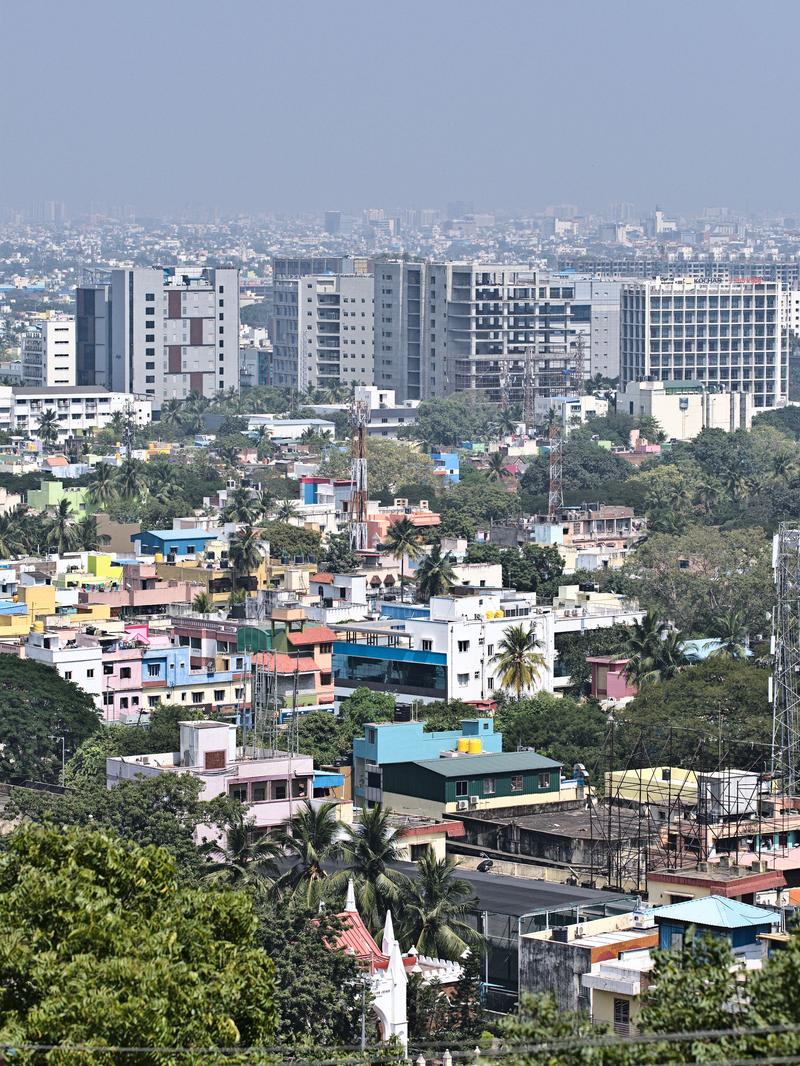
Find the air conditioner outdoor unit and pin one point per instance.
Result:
(473, 801)
(461, 805)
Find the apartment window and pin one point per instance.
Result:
(622, 1017)
(259, 792)
(123, 703)
(462, 789)
(325, 679)
(463, 645)
(239, 693)
(150, 351)
(150, 379)
(221, 316)
(149, 338)
(219, 695)
(462, 679)
(150, 297)
(90, 673)
(279, 790)
(153, 669)
(67, 675)
(517, 782)
(107, 669)
(222, 289)
(544, 780)
(427, 645)
(125, 671)
(152, 701)
(238, 792)
(198, 697)
(150, 366)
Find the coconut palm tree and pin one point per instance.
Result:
(202, 603)
(87, 536)
(507, 421)
(103, 486)
(435, 574)
(784, 466)
(130, 479)
(654, 652)
(496, 467)
(730, 628)
(244, 858)
(708, 495)
(48, 427)
(311, 838)
(435, 910)
(11, 540)
(242, 506)
(245, 551)
(370, 848)
(265, 501)
(518, 659)
(286, 510)
(403, 541)
(61, 532)
(170, 411)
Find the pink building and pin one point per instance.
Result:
(275, 785)
(381, 519)
(142, 590)
(608, 678)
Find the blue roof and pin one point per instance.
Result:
(177, 534)
(328, 780)
(9, 607)
(718, 913)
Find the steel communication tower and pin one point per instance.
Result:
(359, 419)
(785, 680)
(504, 380)
(555, 485)
(529, 391)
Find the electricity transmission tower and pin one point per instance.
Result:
(785, 681)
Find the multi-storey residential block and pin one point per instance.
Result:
(725, 334)
(48, 351)
(174, 331)
(323, 331)
(79, 410)
(450, 327)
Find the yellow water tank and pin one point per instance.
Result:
(463, 744)
(500, 614)
(159, 558)
(38, 627)
(475, 745)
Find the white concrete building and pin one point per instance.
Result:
(726, 334)
(75, 657)
(79, 410)
(685, 408)
(48, 351)
(328, 320)
(162, 332)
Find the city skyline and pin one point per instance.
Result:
(277, 109)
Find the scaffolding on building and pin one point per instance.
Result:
(785, 680)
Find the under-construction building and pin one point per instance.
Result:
(453, 327)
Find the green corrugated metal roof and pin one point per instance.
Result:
(512, 762)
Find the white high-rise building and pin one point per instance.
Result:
(48, 352)
(324, 331)
(173, 331)
(725, 334)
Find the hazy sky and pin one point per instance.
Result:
(284, 105)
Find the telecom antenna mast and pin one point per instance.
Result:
(528, 391)
(359, 419)
(504, 380)
(555, 485)
(785, 680)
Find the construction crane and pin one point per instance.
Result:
(785, 680)
(359, 420)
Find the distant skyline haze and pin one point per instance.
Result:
(257, 106)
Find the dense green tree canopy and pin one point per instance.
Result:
(288, 541)
(692, 578)
(678, 721)
(585, 465)
(558, 727)
(391, 464)
(37, 709)
(99, 944)
(321, 735)
(448, 422)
